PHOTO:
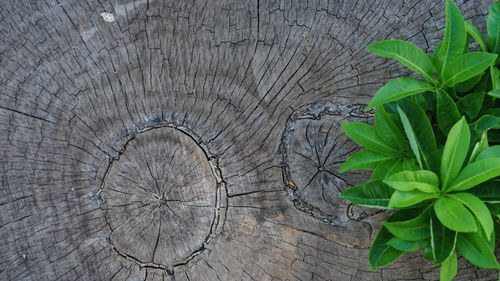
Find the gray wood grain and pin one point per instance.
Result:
(167, 144)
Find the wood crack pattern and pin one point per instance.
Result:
(173, 122)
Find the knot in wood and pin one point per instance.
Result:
(160, 197)
(315, 147)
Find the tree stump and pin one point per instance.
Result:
(195, 140)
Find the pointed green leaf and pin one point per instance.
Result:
(495, 77)
(420, 135)
(386, 169)
(467, 43)
(364, 159)
(415, 229)
(490, 152)
(371, 194)
(488, 192)
(447, 113)
(423, 180)
(475, 173)
(481, 145)
(471, 104)
(448, 268)
(493, 27)
(485, 123)
(401, 199)
(476, 34)
(455, 151)
(454, 37)
(442, 240)
(380, 253)
(468, 84)
(406, 53)
(412, 138)
(452, 214)
(388, 130)
(407, 246)
(398, 89)
(495, 93)
(478, 208)
(467, 66)
(476, 249)
(409, 164)
(366, 135)
(484, 84)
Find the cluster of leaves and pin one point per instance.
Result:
(435, 150)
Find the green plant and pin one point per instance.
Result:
(435, 150)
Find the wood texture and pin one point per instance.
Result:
(195, 140)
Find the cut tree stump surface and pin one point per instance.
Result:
(196, 140)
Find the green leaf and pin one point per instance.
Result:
(447, 113)
(380, 253)
(467, 43)
(490, 152)
(409, 164)
(495, 77)
(485, 123)
(415, 229)
(398, 89)
(407, 246)
(469, 84)
(488, 107)
(424, 101)
(367, 136)
(455, 151)
(448, 268)
(495, 82)
(492, 111)
(454, 215)
(481, 145)
(488, 192)
(388, 130)
(442, 240)
(412, 137)
(401, 199)
(471, 104)
(493, 27)
(467, 66)
(386, 168)
(478, 208)
(371, 194)
(495, 93)
(476, 34)
(495, 211)
(420, 135)
(423, 180)
(476, 249)
(475, 173)
(494, 136)
(364, 159)
(406, 53)
(454, 37)
(484, 84)
(427, 254)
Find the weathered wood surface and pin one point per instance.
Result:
(195, 140)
